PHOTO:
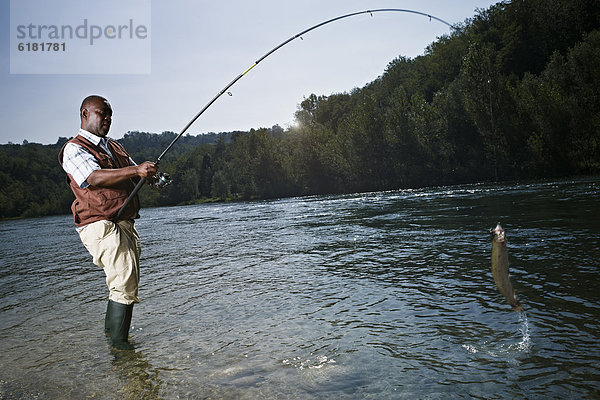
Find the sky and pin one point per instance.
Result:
(192, 49)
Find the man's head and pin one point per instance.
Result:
(96, 115)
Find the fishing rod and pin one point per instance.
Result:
(163, 179)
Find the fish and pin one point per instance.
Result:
(500, 267)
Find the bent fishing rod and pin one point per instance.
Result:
(164, 179)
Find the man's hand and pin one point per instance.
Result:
(112, 177)
(147, 170)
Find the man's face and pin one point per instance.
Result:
(97, 117)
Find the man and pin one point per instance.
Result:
(102, 176)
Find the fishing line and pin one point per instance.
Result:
(165, 179)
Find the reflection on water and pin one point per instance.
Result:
(378, 295)
(137, 378)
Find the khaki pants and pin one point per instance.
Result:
(116, 249)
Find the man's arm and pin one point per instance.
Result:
(112, 177)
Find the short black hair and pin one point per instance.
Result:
(90, 99)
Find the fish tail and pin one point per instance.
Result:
(517, 307)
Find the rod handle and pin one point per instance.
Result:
(133, 193)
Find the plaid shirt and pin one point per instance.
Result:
(79, 163)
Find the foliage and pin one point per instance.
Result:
(512, 93)
(32, 182)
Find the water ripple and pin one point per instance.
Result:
(380, 295)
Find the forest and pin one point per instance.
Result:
(512, 93)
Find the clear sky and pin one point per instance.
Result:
(197, 47)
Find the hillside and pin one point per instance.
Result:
(512, 94)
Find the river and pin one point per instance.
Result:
(375, 295)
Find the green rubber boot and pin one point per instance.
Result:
(119, 320)
(107, 320)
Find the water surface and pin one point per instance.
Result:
(377, 295)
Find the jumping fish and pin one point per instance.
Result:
(500, 267)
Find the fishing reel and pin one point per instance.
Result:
(161, 179)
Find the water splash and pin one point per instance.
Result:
(491, 348)
(470, 348)
(525, 344)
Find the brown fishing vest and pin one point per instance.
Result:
(97, 203)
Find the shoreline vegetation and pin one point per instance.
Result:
(513, 94)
